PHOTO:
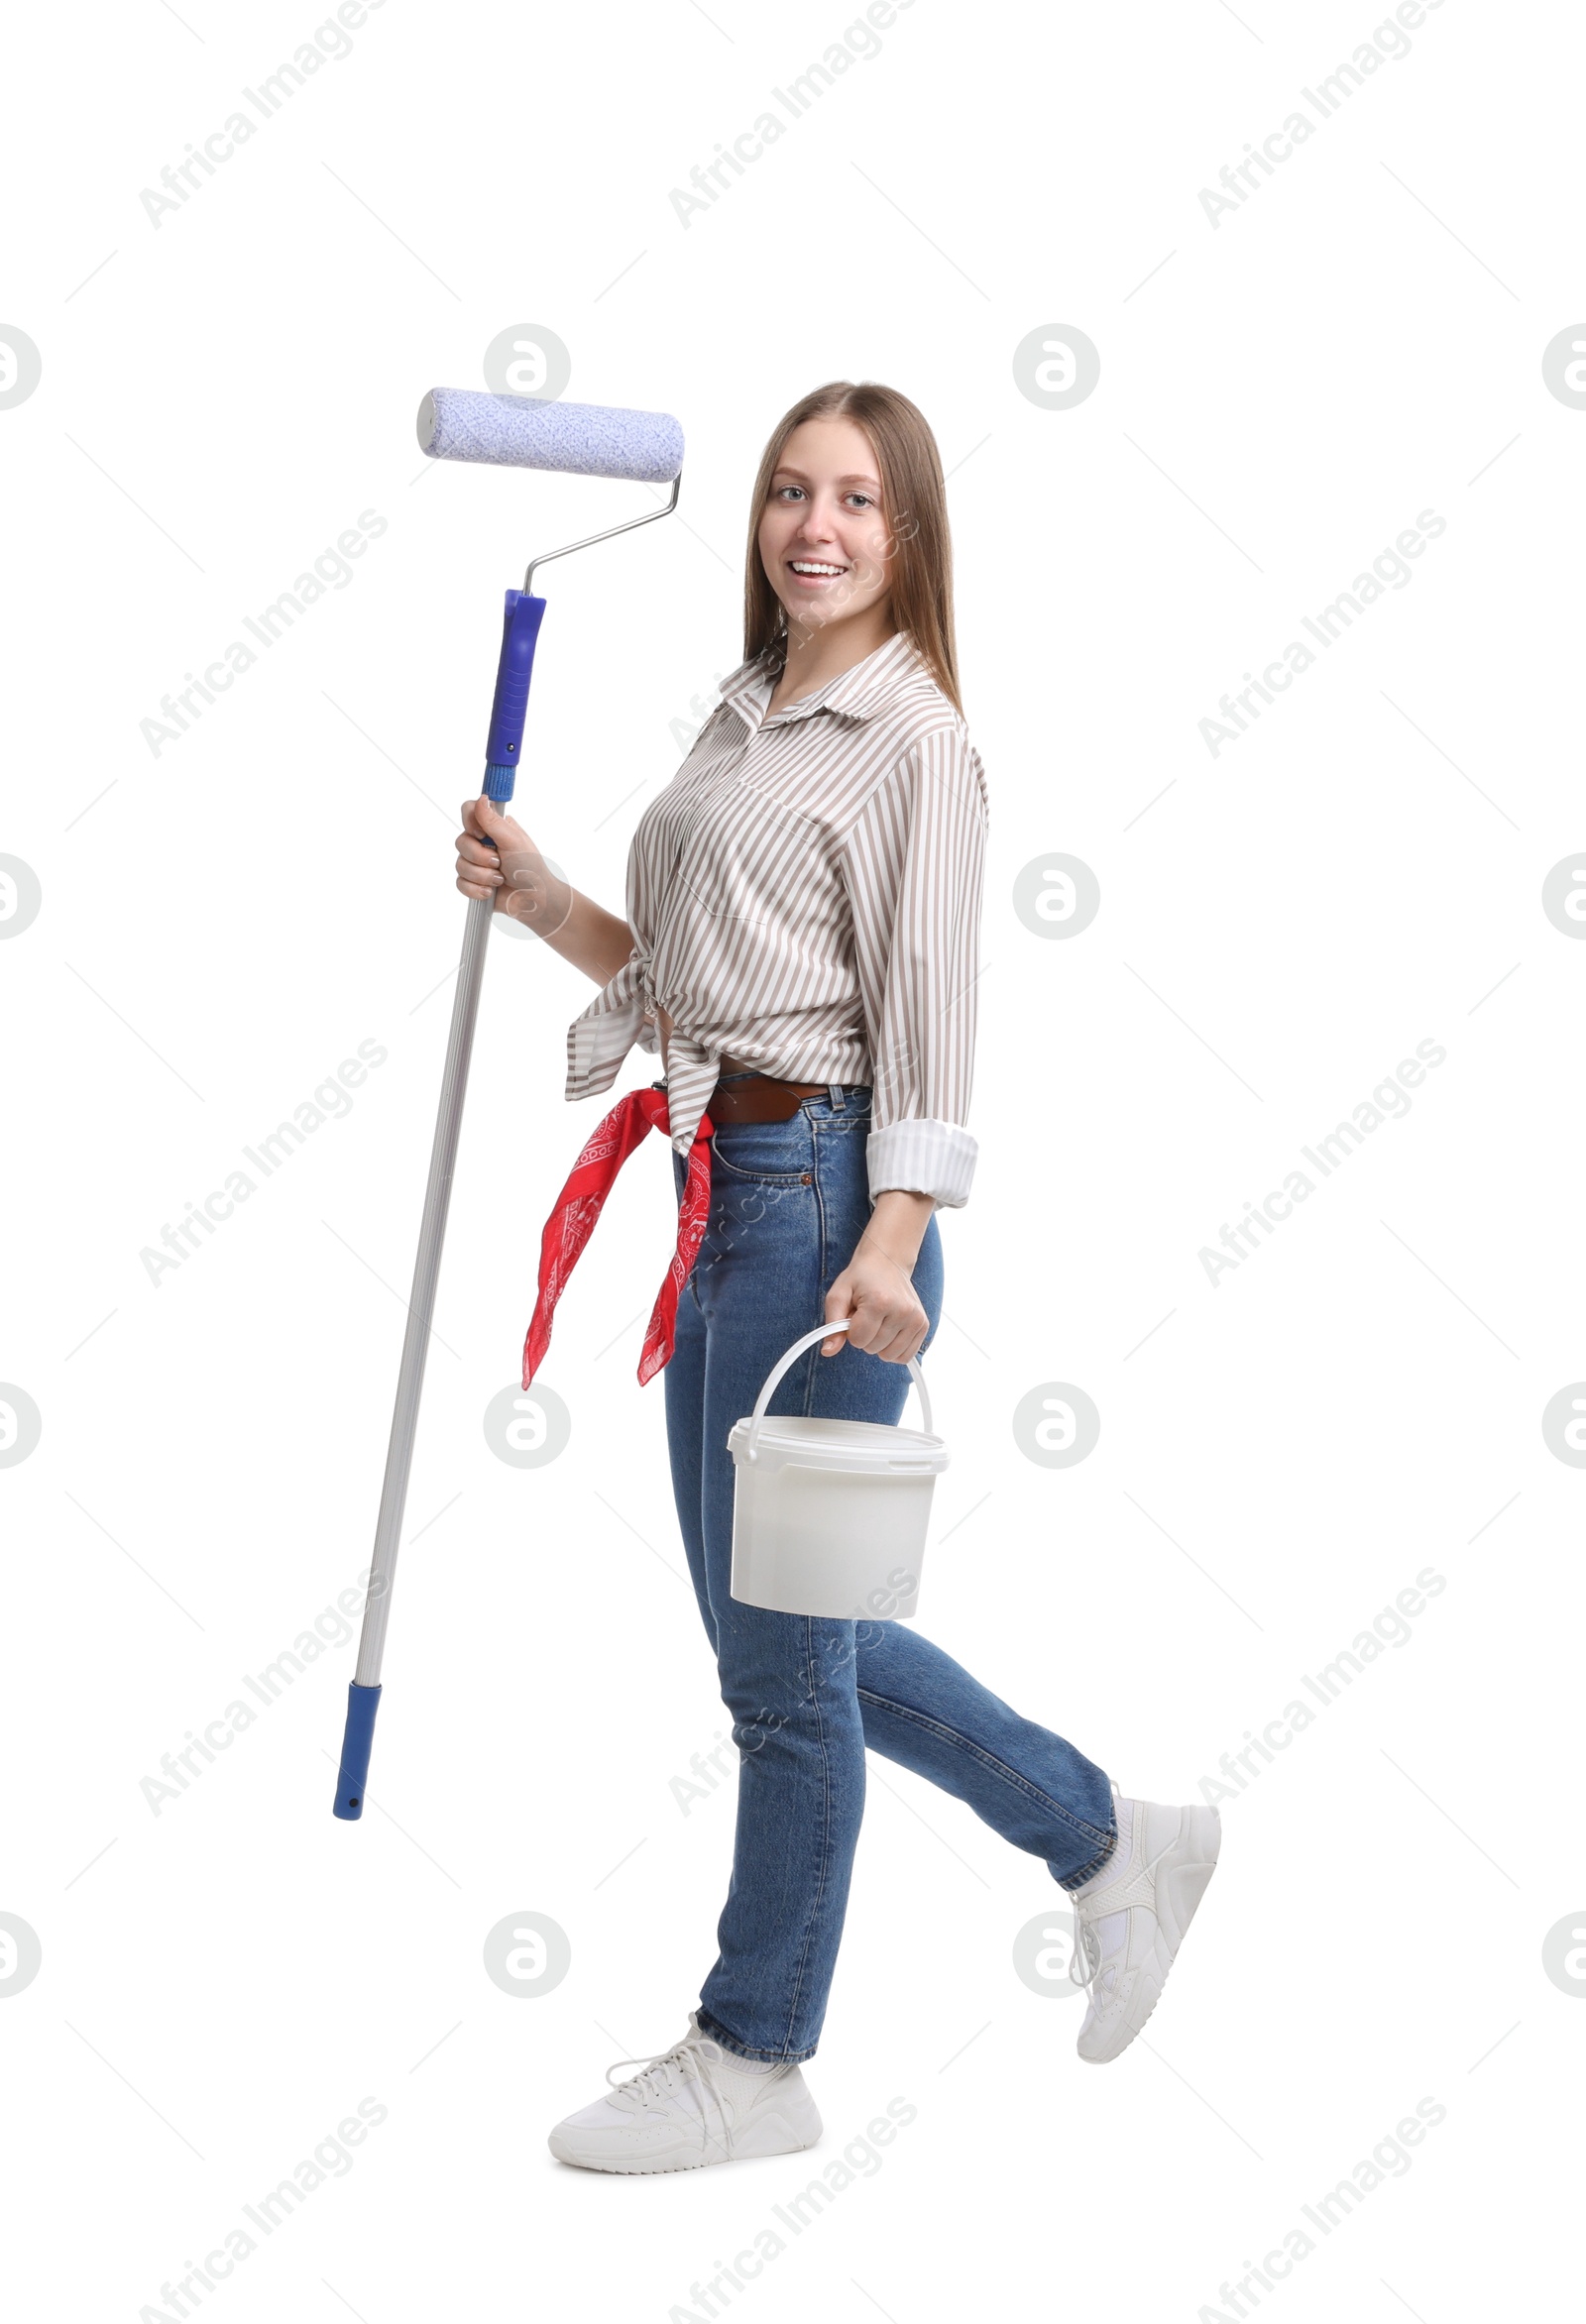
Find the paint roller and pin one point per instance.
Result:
(568, 439)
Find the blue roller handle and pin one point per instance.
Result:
(355, 1744)
(503, 749)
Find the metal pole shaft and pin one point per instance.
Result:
(421, 1306)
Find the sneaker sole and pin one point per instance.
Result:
(760, 2141)
(1183, 1871)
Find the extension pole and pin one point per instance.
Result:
(364, 1692)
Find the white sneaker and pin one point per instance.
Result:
(1129, 1920)
(695, 2104)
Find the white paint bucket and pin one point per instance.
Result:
(830, 1516)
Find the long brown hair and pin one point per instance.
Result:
(915, 509)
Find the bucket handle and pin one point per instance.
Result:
(821, 1332)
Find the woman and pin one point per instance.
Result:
(802, 931)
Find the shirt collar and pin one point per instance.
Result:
(859, 693)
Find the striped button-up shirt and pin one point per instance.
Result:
(805, 898)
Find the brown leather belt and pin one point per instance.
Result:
(759, 1097)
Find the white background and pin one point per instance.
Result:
(1281, 394)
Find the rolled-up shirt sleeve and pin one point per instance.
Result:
(914, 867)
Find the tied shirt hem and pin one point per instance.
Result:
(615, 1021)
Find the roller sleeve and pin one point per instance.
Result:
(571, 439)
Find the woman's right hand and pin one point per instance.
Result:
(509, 869)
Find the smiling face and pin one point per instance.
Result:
(823, 537)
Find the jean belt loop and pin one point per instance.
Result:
(834, 1090)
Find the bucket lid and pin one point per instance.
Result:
(866, 1447)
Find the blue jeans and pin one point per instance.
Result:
(789, 1200)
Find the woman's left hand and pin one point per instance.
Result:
(890, 1320)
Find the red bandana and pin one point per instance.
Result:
(579, 1204)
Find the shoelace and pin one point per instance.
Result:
(1086, 1950)
(658, 2074)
